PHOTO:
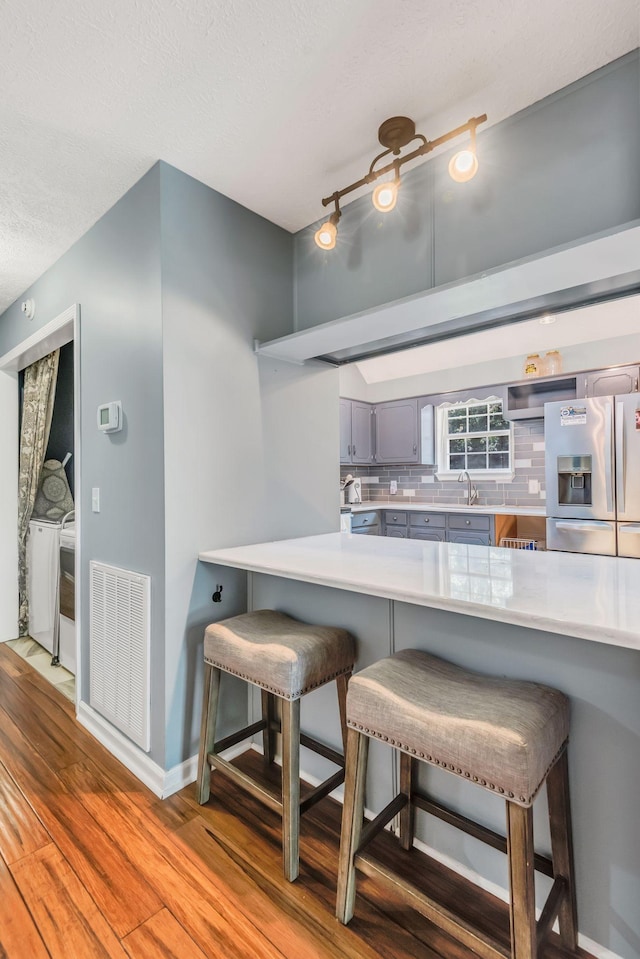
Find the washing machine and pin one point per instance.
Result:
(43, 553)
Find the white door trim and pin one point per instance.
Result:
(61, 330)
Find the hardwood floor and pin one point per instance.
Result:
(92, 864)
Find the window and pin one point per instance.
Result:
(474, 436)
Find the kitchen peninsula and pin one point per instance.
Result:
(572, 621)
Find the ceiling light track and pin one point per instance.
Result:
(394, 134)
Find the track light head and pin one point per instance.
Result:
(327, 234)
(463, 166)
(385, 196)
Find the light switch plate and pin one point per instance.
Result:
(95, 499)
(393, 486)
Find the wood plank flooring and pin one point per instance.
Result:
(92, 864)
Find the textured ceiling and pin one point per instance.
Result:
(274, 104)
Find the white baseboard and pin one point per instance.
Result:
(161, 782)
(164, 784)
(130, 755)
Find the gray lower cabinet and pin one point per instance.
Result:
(356, 433)
(367, 524)
(474, 528)
(396, 432)
(471, 528)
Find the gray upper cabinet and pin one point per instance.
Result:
(361, 433)
(345, 431)
(356, 432)
(613, 382)
(397, 432)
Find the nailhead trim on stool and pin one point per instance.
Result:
(507, 736)
(285, 659)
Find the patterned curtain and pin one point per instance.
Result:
(37, 410)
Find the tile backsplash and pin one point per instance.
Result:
(418, 484)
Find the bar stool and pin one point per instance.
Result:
(286, 659)
(506, 736)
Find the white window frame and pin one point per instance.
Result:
(442, 444)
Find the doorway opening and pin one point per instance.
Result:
(53, 644)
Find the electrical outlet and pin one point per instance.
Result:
(393, 487)
(534, 486)
(95, 499)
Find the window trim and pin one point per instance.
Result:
(443, 472)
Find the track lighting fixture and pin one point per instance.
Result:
(394, 134)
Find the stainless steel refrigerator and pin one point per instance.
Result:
(592, 465)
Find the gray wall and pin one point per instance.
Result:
(562, 169)
(113, 272)
(240, 433)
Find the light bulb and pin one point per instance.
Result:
(385, 196)
(463, 166)
(325, 237)
(547, 319)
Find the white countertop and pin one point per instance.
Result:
(592, 597)
(447, 508)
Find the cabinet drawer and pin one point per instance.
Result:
(468, 521)
(395, 519)
(359, 520)
(427, 520)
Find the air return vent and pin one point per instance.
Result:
(119, 639)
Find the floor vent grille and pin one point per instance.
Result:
(119, 643)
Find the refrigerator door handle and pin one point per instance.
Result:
(608, 459)
(582, 526)
(620, 457)
(629, 528)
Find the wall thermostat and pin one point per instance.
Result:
(110, 417)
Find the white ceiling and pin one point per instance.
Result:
(587, 325)
(273, 104)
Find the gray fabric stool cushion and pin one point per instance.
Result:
(502, 734)
(279, 653)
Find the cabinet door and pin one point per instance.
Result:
(435, 535)
(397, 432)
(473, 538)
(623, 379)
(345, 431)
(361, 433)
(396, 532)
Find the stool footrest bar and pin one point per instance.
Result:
(551, 909)
(377, 825)
(484, 946)
(234, 738)
(471, 828)
(325, 751)
(269, 797)
(321, 791)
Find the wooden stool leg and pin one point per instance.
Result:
(562, 848)
(407, 814)
(342, 683)
(522, 906)
(291, 787)
(207, 730)
(352, 817)
(268, 715)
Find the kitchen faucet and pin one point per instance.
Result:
(472, 492)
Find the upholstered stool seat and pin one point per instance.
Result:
(506, 736)
(286, 659)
